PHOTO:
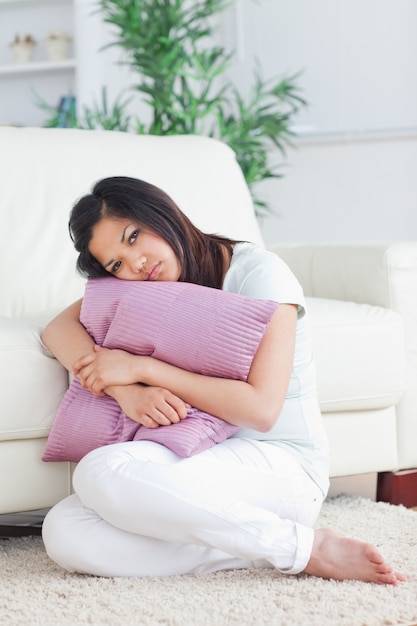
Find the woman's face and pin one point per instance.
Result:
(131, 252)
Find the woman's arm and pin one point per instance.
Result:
(253, 404)
(66, 337)
(68, 341)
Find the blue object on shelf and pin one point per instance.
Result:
(66, 111)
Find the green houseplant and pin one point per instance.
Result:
(184, 82)
(181, 75)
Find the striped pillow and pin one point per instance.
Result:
(197, 328)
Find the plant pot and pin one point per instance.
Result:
(23, 52)
(58, 49)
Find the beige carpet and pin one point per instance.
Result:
(35, 592)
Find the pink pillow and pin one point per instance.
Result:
(197, 328)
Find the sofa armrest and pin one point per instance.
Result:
(380, 274)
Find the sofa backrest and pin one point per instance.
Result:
(44, 171)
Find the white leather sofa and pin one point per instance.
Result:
(362, 299)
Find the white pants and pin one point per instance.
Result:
(140, 510)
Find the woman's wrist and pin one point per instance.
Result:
(145, 370)
(114, 391)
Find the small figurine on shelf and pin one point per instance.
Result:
(57, 45)
(23, 48)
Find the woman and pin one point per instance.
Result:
(251, 501)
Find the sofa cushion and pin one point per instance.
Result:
(32, 383)
(199, 173)
(358, 351)
(359, 354)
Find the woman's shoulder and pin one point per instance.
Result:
(260, 273)
(250, 255)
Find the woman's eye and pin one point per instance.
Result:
(115, 267)
(133, 236)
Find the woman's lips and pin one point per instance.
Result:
(153, 274)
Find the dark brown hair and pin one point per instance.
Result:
(201, 256)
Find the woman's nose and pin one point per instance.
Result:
(137, 263)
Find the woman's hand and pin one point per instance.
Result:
(104, 367)
(149, 406)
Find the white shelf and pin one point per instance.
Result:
(49, 79)
(17, 3)
(35, 67)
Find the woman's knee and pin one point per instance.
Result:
(107, 479)
(61, 538)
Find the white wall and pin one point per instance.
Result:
(352, 173)
(358, 58)
(346, 190)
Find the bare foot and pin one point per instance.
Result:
(342, 558)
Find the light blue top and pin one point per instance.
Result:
(262, 274)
